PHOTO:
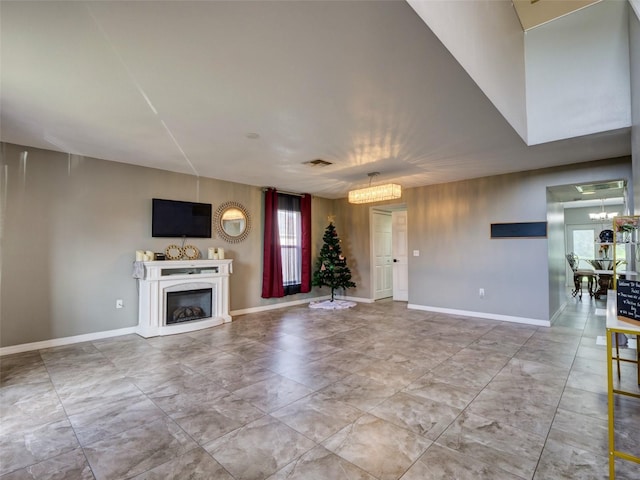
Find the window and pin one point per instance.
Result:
(584, 246)
(286, 260)
(290, 232)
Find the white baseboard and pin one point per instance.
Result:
(355, 299)
(58, 342)
(275, 306)
(558, 312)
(293, 303)
(489, 316)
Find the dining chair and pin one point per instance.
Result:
(579, 274)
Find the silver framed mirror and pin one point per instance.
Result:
(232, 222)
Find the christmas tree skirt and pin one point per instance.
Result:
(335, 305)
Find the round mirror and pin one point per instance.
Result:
(232, 222)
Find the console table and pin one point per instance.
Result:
(615, 326)
(163, 278)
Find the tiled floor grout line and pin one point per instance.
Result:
(385, 337)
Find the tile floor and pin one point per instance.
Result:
(374, 392)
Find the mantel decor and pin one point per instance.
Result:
(173, 252)
(232, 222)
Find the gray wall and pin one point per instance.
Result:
(70, 228)
(457, 255)
(449, 225)
(71, 225)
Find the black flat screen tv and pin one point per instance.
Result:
(173, 218)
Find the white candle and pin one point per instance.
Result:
(221, 253)
(146, 258)
(139, 255)
(212, 253)
(150, 254)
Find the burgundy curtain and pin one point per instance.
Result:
(305, 273)
(272, 259)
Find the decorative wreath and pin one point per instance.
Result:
(191, 252)
(173, 252)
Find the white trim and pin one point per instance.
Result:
(57, 342)
(490, 316)
(293, 303)
(355, 299)
(558, 312)
(88, 337)
(275, 306)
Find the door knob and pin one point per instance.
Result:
(395, 260)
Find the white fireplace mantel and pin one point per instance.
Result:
(161, 277)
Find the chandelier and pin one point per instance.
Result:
(602, 215)
(377, 193)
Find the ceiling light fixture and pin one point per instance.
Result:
(591, 188)
(318, 162)
(377, 193)
(602, 215)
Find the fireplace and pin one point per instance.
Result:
(188, 305)
(181, 296)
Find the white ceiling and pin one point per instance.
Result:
(567, 78)
(179, 85)
(533, 13)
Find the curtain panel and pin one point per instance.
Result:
(272, 261)
(305, 212)
(287, 244)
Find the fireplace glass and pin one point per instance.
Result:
(188, 305)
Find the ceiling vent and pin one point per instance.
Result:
(318, 162)
(591, 188)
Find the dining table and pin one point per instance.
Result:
(603, 270)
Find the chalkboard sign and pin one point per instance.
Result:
(629, 299)
(519, 230)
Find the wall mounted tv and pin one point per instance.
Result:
(173, 218)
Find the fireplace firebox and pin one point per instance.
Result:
(188, 305)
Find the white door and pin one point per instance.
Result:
(382, 255)
(400, 256)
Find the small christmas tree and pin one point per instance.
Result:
(331, 267)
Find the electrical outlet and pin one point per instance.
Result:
(481, 293)
(119, 303)
(416, 253)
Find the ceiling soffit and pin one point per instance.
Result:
(564, 79)
(533, 13)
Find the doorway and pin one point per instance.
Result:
(389, 259)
